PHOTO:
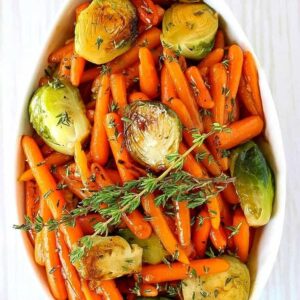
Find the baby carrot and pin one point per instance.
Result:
(138, 96)
(148, 290)
(218, 238)
(110, 290)
(168, 90)
(58, 55)
(81, 163)
(219, 39)
(114, 176)
(149, 82)
(88, 293)
(64, 70)
(147, 11)
(183, 222)
(240, 132)
(90, 74)
(80, 8)
(230, 194)
(77, 68)
(87, 222)
(99, 143)
(118, 90)
(212, 58)
(32, 199)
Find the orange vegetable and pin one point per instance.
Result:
(114, 176)
(102, 177)
(240, 132)
(149, 82)
(148, 290)
(32, 199)
(77, 69)
(88, 294)
(87, 222)
(218, 238)
(178, 271)
(183, 222)
(219, 39)
(82, 163)
(230, 194)
(212, 58)
(118, 90)
(99, 144)
(199, 88)
(110, 290)
(64, 70)
(58, 55)
(80, 8)
(168, 90)
(138, 96)
(147, 11)
(90, 74)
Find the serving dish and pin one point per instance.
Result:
(267, 240)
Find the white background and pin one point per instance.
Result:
(273, 27)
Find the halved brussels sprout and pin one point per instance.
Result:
(109, 257)
(57, 113)
(152, 132)
(234, 284)
(105, 30)
(190, 29)
(254, 183)
(153, 250)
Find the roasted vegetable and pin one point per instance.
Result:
(105, 30)
(152, 298)
(233, 284)
(152, 132)
(108, 258)
(57, 113)
(153, 251)
(254, 183)
(190, 29)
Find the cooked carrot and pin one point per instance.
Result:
(102, 177)
(64, 70)
(54, 159)
(182, 62)
(235, 57)
(144, 26)
(99, 143)
(118, 90)
(148, 290)
(178, 271)
(219, 39)
(240, 132)
(88, 293)
(90, 74)
(114, 176)
(183, 222)
(199, 88)
(80, 8)
(208, 161)
(182, 87)
(242, 237)
(147, 11)
(81, 163)
(131, 75)
(110, 290)
(138, 96)
(230, 194)
(90, 113)
(39, 256)
(43, 80)
(58, 55)
(77, 69)
(32, 199)
(218, 81)
(181, 110)
(201, 232)
(251, 77)
(168, 90)
(46, 150)
(212, 58)
(87, 222)
(149, 39)
(245, 96)
(218, 238)
(149, 83)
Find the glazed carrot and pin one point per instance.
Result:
(114, 176)
(218, 238)
(58, 55)
(64, 70)
(230, 194)
(201, 232)
(54, 159)
(219, 39)
(77, 69)
(235, 57)
(131, 75)
(218, 81)
(183, 222)
(80, 8)
(81, 163)
(39, 256)
(149, 39)
(102, 177)
(178, 271)
(212, 58)
(182, 87)
(208, 161)
(114, 129)
(242, 237)
(182, 62)
(90, 113)
(110, 290)
(245, 96)
(144, 26)
(90, 74)
(43, 80)
(148, 290)
(99, 145)
(32, 199)
(138, 96)
(118, 90)
(87, 222)
(69, 270)
(181, 110)
(149, 82)
(168, 90)
(162, 229)
(251, 77)
(147, 11)
(199, 88)
(88, 293)
(46, 150)
(240, 132)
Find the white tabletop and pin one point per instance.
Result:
(273, 27)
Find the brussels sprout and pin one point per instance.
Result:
(190, 29)
(152, 132)
(254, 183)
(57, 113)
(153, 251)
(234, 284)
(109, 257)
(105, 30)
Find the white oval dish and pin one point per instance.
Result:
(267, 240)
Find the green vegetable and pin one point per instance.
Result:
(153, 251)
(152, 132)
(108, 258)
(190, 29)
(105, 30)
(254, 183)
(57, 113)
(234, 284)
